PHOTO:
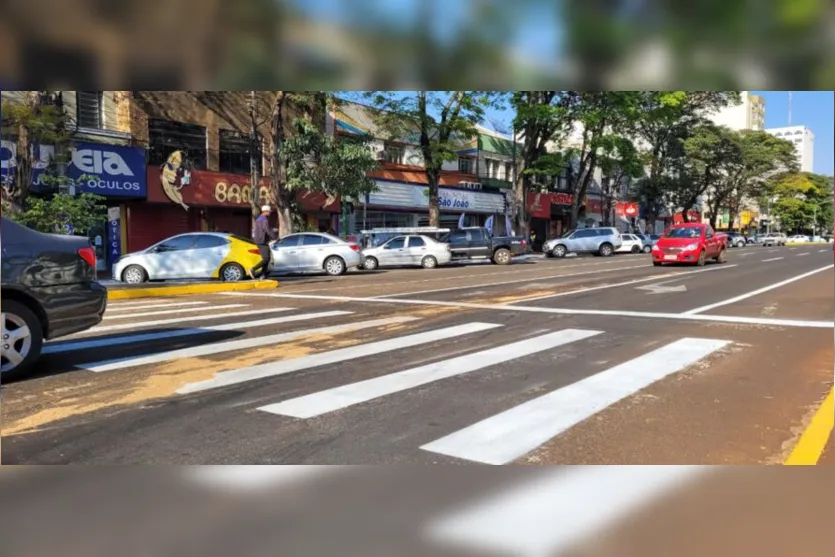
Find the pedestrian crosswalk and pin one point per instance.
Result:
(389, 360)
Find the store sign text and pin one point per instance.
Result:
(239, 195)
(453, 200)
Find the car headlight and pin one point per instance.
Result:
(691, 247)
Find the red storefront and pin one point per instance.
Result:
(210, 201)
(692, 216)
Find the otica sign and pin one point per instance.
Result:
(109, 170)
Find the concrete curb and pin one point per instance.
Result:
(186, 289)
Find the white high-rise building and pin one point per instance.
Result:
(749, 115)
(804, 144)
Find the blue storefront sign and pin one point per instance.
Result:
(109, 170)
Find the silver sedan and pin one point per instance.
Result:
(311, 252)
(406, 251)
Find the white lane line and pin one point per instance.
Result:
(513, 281)
(155, 306)
(802, 254)
(137, 303)
(510, 435)
(338, 398)
(756, 292)
(559, 511)
(168, 312)
(232, 345)
(772, 259)
(745, 254)
(619, 284)
(201, 318)
(772, 250)
(250, 477)
(727, 319)
(335, 356)
(146, 337)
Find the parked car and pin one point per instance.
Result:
(49, 290)
(633, 243)
(773, 239)
(407, 250)
(196, 255)
(736, 240)
(693, 243)
(798, 239)
(479, 243)
(314, 251)
(599, 241)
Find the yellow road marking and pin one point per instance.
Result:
(812, 443)
(183, 289)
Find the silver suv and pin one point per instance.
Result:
(600, 241)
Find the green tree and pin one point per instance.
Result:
(62, 213)
(37, 118)
(660, 121)
(620, 165)
(804, 201)
(437, 121)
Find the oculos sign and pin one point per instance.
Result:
(109, 170)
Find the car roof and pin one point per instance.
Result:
(688, 225)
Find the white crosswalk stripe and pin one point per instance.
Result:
(231, 346)
(507, 436)
(169, 312)
(348, 395)
(174, 320)
(112, 309)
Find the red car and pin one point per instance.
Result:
(692, 243)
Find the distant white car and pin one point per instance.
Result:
(632, 243)
(798, 239)
(407, 251)
(314, 251)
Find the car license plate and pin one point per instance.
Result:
(671, 257)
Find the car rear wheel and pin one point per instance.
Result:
(606, 250)
(635, 249)
(334, 266)
(134, 274)
(701, 261)
(501, 257)
(370, 264)
(647, 249)
(559, 251)
(721, 257)
(232, 272)
(429, 262)
(656, 263)
(22, 339)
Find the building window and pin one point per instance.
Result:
(394, 154)
(235, 150)
(89, 109)
(165, 137)
(465, 165)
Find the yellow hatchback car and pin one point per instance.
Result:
(196, 255)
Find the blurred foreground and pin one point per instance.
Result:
(360, 511)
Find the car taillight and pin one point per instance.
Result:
(88, 254)
(255, 251)
(524, 243)
(355, 247)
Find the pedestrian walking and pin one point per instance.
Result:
(263, 235)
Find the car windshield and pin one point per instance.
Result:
(569, 233)
(684, 232)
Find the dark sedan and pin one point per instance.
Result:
(49, 290)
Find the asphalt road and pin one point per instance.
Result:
(573, 361)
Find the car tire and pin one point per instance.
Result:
(429, 262)
(656, 263)
(635, 249)
(232, 272)
(559, 251)
(647, 249)
(134, 274)
(721, 257)
(605, 250)
(370, 264)
(334, 266)
(502, 256)
(702, 259)
(27, 348)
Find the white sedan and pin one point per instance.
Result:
(632, 243)
(407, 250)
(314, 251)
(798, 239)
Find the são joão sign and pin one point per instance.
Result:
(109, 170)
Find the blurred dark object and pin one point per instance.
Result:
(369, 44)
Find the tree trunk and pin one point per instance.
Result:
(433, 177)
(278, 168)
(254, 155)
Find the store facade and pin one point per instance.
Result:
(401, 204)
(209, 201)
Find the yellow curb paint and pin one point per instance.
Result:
(813, 441)
(185, 289)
